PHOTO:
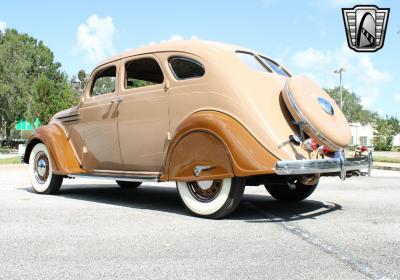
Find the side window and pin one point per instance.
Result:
(104, 82)
(185, 68)
(142, 72)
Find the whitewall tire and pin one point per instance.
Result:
(41, 172)
(212, 199)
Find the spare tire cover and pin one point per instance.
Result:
(309, 103)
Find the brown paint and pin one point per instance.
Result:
(63, 158)
(222, 142)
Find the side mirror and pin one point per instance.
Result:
(76, 84)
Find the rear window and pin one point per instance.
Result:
(185, 68)
(250, 60)
(275, 66)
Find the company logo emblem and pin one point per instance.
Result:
(326, 106)
(365, 27)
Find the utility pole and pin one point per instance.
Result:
(340, 71)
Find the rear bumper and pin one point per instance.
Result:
(321, 166)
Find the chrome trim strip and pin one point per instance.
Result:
(320, 166)
(116, 177)
(132, 173)
(305, 120)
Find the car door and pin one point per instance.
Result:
(99, 116)
(143, 120)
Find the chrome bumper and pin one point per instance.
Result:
(321, 166)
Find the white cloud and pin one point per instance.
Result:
(310, 58)
(360, 76)
(397, 97)
(371, 73)
(95, 38)
(2, 26)
(173, 37)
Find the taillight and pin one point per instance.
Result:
(323, 150)
(310, 144)
(363, 149)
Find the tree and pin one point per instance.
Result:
(352, 108)
(23, 62)
(49, 97)
(385, 129)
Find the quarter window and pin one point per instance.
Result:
(185, 68)
(143, 72)
(104, 81)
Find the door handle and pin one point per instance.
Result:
(117, 99)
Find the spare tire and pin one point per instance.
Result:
(322, 118)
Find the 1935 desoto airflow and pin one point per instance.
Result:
(210, 116)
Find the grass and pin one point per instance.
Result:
(6, 150)
(386, 159)
(11, 160)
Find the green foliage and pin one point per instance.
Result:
(352, 108)
(24, 64)
(49, 97)
(135, 83)
(386, 159)
(82, 77)
(385, 128)
(12, 160)
(384, 131)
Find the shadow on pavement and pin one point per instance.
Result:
(253, 208)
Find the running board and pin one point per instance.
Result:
(130, 177)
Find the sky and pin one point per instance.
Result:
(307, 37)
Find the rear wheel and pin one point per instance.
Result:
(128, 185)
(212, 199)
(43, 180)
(293, 192)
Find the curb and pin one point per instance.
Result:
(386, 168)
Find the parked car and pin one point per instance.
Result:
(210, 116)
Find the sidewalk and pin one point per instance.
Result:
(387, 166)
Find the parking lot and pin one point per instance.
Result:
(94, 230)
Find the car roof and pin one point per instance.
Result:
(194, 46)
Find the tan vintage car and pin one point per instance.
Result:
(210, 116)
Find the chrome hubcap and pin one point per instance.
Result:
(41, 167)
(205, 191)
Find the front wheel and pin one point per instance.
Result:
(212, 199)
(294, 192)
(43, 180)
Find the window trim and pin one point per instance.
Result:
(266, 67)
(187, 59)
(278, 64)
(93, 80)
(125, 60)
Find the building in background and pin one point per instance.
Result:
(396, 141)
(361, 135)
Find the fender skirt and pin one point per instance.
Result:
(218, 145)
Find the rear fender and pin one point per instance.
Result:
(214, 139)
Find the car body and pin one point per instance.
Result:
(197, 111)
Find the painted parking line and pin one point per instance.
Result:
(356, 264)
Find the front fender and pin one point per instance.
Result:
(63, 159)
(216, 139)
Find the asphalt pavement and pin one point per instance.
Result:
(94, 230)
